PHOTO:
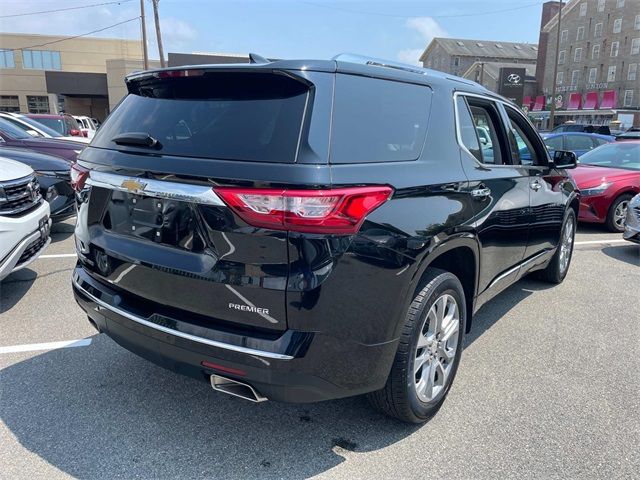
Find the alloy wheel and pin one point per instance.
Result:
(620, 213)
(566, 245)
(436, 348)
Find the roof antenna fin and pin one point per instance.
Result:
(255, 58)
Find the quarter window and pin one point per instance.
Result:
(526, 149)
(486, 119)
(467, 129)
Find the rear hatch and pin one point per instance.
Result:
(152, 226)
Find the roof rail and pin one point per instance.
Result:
(363, 60)
(255, 58)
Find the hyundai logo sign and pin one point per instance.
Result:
(513, 79)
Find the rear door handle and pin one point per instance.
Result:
(535, 185)
(480, 192)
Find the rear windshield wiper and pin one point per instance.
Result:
(137, 139)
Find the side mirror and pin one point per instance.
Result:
(564, 159)
(33, 133)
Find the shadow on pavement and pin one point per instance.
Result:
(625, 253)
(61, 231)
(14, 287)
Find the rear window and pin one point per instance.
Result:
(57, 124)
(223, 115)
(378, 120)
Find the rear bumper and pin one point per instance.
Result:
(295, 367)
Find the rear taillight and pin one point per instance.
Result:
(339, 210)
(79, 175)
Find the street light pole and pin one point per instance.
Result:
(552, 113)
(158, 35)
(145, 54)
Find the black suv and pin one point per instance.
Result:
(310, 230)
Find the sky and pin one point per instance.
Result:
(394, 30)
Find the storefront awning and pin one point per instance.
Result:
(609, 99)
(77, 83)
(575, 101)
(539, 103)
(527, 101)
(591, 101)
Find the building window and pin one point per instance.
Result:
(628, 98)
(619, 3)
(601, 5)
(564, 36)
(593, 75)
(617, 25)
(635, 46)
(633, 70)
(597, 31)
(560, 78)
(615, 46)
(577, 55)
(611, 74)
(575, 77)
(580, 34)
(456, 61)
(41, 60)
(595, 52)
(636, 23)
(6, 59)
(583, 9)
(561, 57)
(38, 104)
(9, 103)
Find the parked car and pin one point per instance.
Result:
(12, 136)
(608, 177)
(576, 142)
(628, 135)
(632, 222)
(65, 124)
(302, 231)
(37, 129)
(24, 217)
(54, 179)
(580, 127)
(87, 126)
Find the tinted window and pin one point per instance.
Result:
(554, 143)
(41, 126)
(526, 147)
(378, 120)
(468, 131)
(616, 155)
(600, 141)
(578, 142)
(233, 116)
(486, 118)
(56, 124)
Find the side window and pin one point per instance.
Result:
(578, 142)
(468, 132)
(600, 141)
(526, 145)
(554, 143)
(487, 123)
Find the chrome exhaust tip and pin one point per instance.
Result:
(236, 388)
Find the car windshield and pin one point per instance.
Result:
(614, 155)
(55, 123)
(12, 131)
(41, 126)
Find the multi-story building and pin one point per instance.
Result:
(597, 61)
(456, 55)
(49, 74)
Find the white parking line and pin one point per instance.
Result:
(33, 347)
(59, 255)
(603, 242)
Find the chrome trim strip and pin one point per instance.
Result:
(515, 268)
(186, 192)
(186, 336)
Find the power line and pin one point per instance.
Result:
(64, 9)
(81, 35)
(381, 14)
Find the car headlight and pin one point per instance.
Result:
(600, 189)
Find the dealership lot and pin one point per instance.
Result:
(549, 387)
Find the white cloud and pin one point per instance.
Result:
(425, 30)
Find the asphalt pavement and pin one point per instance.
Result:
(549, 387)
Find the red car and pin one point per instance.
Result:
(608, 177)
(64, 124)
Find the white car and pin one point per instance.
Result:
(37, 129)
(24, 217)
(87, 126)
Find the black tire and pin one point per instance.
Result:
(554, 273)
(399, 397)
(610, 223)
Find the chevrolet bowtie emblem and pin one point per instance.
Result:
(133, 186)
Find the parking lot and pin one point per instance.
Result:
(549, 387)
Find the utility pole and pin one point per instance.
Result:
(157, 21)
(145, 54)
(552, 113)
